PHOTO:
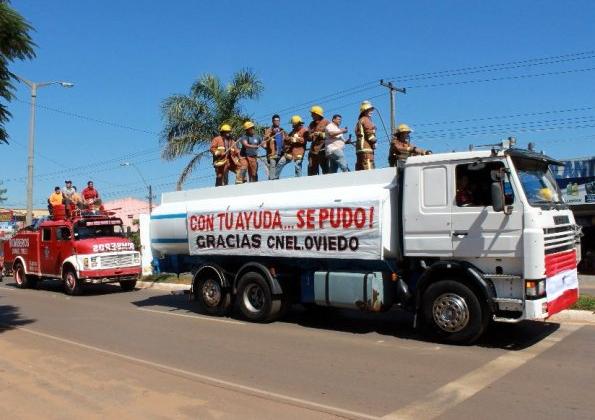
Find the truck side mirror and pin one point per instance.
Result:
(497, 196)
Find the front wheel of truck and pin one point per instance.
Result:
(72, 284)
(453, 312)
(128, 286)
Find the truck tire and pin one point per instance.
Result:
(211, 296)
(72, 284)
(22, 280)
(255, 298)
(453, 313)
(128, 285)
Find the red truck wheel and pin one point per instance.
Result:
(72, 285)
(22, 280)
(128, 286)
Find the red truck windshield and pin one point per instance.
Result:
(82, 231)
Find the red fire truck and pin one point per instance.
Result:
(88, 248)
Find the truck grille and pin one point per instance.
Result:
(116, 260)
(558, 239)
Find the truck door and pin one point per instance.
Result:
(64, 248)
(427, 211)
(479, 231)
(46, 256)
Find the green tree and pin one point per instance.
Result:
(192, 120)
(2, 192)
(15, 44)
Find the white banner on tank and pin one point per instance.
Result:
(348, 231)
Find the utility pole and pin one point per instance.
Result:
(149, 187)
(31, 149)
(393, 91)
(150, 199)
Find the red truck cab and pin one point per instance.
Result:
(85, 249)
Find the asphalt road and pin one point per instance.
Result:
(148, 354)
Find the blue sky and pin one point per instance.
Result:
(126, 57)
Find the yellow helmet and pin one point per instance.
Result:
(248, 124)
(403, 128)
(546, 194)
(317, 110)
(296, 119)
(366, 105)
(225, 128)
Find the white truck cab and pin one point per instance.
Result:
(501, 213)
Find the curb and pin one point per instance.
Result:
(161, 286)
(574, 315)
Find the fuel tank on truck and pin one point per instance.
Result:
(345, 215)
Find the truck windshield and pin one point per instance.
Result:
(538, 183)
(87, 232)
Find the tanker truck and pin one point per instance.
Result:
(459, 239)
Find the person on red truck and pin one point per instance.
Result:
(91, 195)
(56, 198)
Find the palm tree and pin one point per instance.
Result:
(192, 120)
(15, 44)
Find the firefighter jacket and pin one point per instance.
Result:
(365, 131)
(401, 150)
(224, 151)
(316, 135)
(270, 143)
(295, 143)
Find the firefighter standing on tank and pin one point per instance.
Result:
(295, 147)
(250, 143)
(274, 138)
(401, 148)
(365, 132)
(316, 135)
(226, 156)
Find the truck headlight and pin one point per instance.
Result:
(85, 262)
(94, 262)
(137, 258)
(535, 289)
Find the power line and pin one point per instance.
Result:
(496, 79)
(498, 67)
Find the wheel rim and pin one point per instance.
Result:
(70, 281)
(18, 275)
(211, 293)
(450, 312)
(254, 298)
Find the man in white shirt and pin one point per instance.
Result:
(334, 144)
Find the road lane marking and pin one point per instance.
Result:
(452, 394)
(203, 318)
(209, 380)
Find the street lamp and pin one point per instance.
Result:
(34, 86)
(149, 187)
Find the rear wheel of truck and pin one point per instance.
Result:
(72, 284)
(23, 280)
(128, 286)
(211, 296)
(453, 312)
(255, 298)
